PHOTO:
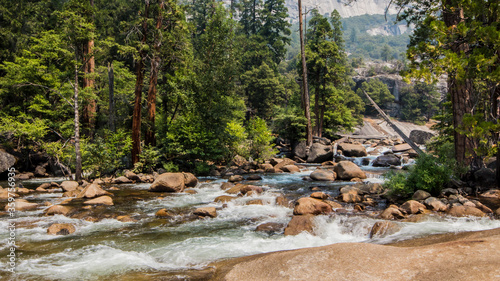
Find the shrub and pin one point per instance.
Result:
(429, 173)
(202, 168)
(148, 160)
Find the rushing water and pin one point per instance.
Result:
(99, 250)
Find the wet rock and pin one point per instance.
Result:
(61, 229)
(239, 161)
(282, 201)
(114, 188)
(125, 219)
(465, 211)
(40, 171)
(132, 176)
(413, 207)
(435, 204)
(98, 181)
(392, 212)
(251, 188)
(23, 190)
(69, 185)
(190, 180)
(58, 210)
(291, 169)
(254, 178)
(307, 205)
(351, 196)
(6, 161)
(319, 153)
(372, 188)
(270, 227)
(103, 200)
(401, 148)
(163, 213)
(24, 176)
(168, 182)
(255, 202)
(420, 137)
(384, 228)
(323, 175)
(266, 167)
(206, 212)
(482, 207)
(319, 195)
(285, 162)
(92, 191)
(352, 150)
(420, 195)
(497, 213)
(300, 223)
(224, 199)
(40, 189)
(346, 170)
(237, 189)
(235, 178)
(365, 161)
(190, 191)
(387, 161)
(121, 180)
(22, 205)
(226, 185)
(333, 204)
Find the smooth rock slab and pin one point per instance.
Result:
(103, 200)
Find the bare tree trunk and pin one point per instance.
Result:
(111, 79)
(305, 91)
(90, 110)
(139, 69)
(78, 155)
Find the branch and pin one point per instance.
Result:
(45, 87)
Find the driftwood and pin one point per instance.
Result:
(396, 129)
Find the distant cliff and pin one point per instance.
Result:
(357, 8)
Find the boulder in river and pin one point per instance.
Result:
(323, 175)
(235, 178)
(384, 228)
(413, 207)
(163, 213)
(435, 204)
(132, 176)
(307, 205)
(270, 227)
(401, 148)
(387, 161)
(224, 199)
(300, 223)
(122, 179)
(465, 211)
(347, 170)
(319, 153)
(103, 200)
(69, 185)
(58, 210)
(61, 229)
(352, 150)
(392, 212)
(169, 182)
(291, 169)
(22, 205)
(92, 191)
(206, 212)
(300, 150)
(420, 195)
(285, 162)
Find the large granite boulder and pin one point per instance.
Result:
(308, 205)
(420, 137)
(69, 185)
(300, 150)
(323, 175)
(387, 161)
(465, 211)
(319, 153)
(346, 170)
(6, 161)
(384, 228)
(298, 224)
(352, 150)
(171, 182)
(92, 191)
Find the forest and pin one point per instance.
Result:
(189, 85)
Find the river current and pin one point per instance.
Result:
(110, 249)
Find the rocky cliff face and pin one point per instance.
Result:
(357, 8)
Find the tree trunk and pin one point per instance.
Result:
(150, 138)
(111, 79)
(305, 91)
(316, 107)
(90, 110)
(460, 90)
(139, 70)
(78, 155)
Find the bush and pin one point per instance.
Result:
(148, 160)
(202, 168)
(429, 173)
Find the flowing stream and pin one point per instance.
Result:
(108, 248)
